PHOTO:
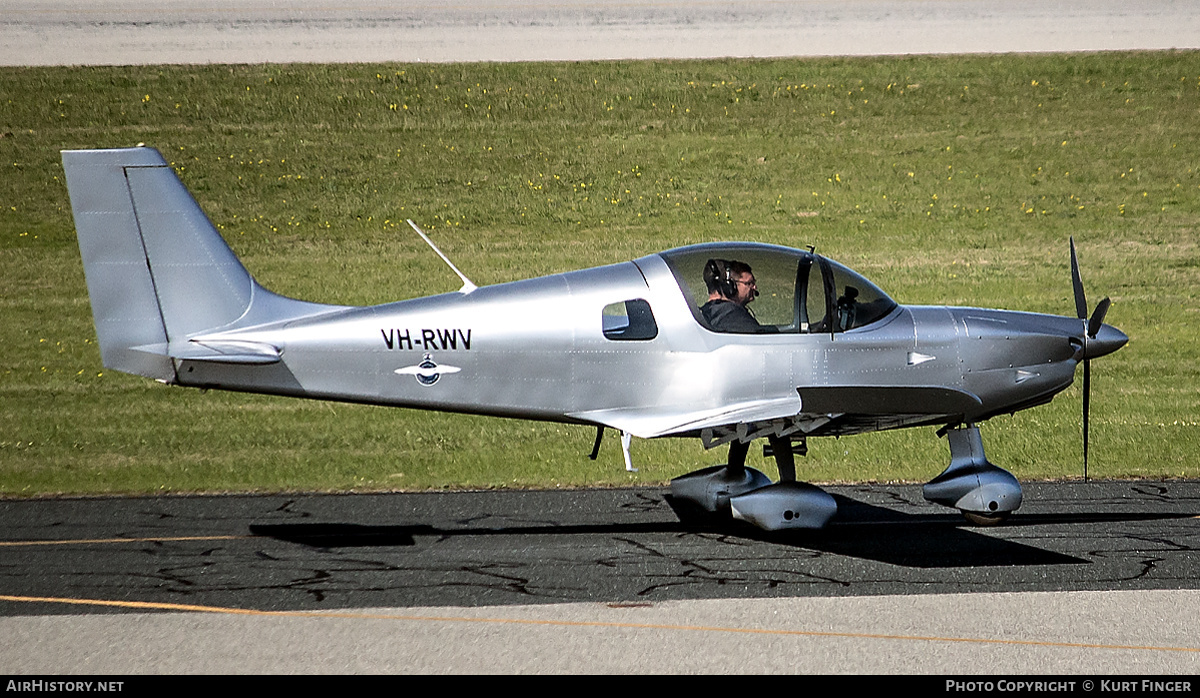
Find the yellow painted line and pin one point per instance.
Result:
(148, 605)
(95, 541)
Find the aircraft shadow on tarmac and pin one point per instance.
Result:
(859, 530)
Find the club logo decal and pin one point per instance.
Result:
(428, 371)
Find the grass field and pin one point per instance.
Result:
(946, 180)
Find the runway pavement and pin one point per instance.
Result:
(1091, 578)
(120, 32)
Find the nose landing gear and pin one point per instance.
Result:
(984, 493)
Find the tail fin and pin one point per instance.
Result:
(157, 270)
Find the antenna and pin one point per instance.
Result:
(467, 286)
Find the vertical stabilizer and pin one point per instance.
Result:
(157, 270)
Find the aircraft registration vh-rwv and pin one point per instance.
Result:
(661, 346)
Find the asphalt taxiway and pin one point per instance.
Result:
(1102, 576)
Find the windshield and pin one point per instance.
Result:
(745, 288)
(858, 302)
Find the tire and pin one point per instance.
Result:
(984, 520)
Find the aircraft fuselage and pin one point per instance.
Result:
(536, 349)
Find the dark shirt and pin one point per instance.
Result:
(726, 316)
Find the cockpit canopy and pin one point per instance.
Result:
(798, 291)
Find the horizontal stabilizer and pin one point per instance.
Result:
(223, 351)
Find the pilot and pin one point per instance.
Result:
(731, 287)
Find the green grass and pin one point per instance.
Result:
(947, 180)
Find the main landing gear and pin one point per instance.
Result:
(984, 493)
(748, 494)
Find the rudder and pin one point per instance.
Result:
(157, 270)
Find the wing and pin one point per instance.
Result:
(652, 422)
(812, 408)
(879, 400)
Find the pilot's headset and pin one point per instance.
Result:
(718, 277)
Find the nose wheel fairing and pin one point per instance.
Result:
(984, 492)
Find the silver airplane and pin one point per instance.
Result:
(661, 346)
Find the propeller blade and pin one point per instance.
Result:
(1087, 399)
(1077, 284)
(1098, 317)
